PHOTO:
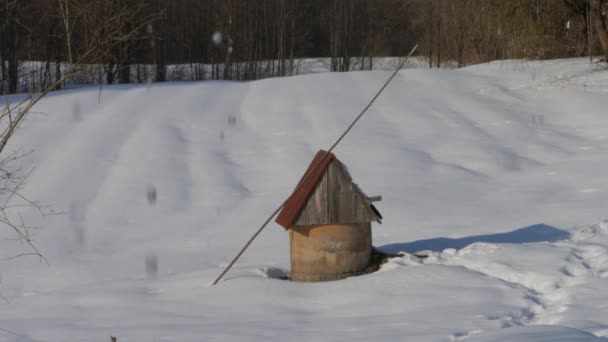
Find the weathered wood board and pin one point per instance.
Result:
(336, 199)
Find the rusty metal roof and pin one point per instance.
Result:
(306, 186)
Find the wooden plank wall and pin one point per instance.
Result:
(335, 200)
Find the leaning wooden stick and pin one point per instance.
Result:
(390, 79)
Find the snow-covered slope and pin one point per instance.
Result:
(498, 171)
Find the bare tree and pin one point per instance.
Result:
(103, 40)
(269, 36)
(598, 13)
(9, 40)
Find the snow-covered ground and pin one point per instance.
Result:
(497, 171)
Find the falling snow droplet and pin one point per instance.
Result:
(151, 264)
(217, 38)
(231, 120)
(151, 195)
(79, 235)
(77, 218)
(76, 114)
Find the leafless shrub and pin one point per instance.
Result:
(110, 24)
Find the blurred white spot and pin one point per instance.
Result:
(217, 38)
(450, 251)
(590, 190)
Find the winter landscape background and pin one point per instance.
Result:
(497, 171)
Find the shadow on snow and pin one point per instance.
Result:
(535, 233)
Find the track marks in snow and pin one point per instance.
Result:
(239, 189)
(569, 265)
(125, 147)
(88, 163)
(487, 149)
(219, 143)
(179, 162)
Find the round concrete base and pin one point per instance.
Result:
(329, 252)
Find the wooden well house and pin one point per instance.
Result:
(329, 222)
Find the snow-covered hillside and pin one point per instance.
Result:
(498, 171)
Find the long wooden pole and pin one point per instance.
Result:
(390, 79)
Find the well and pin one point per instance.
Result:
(329, 252)
(329, 222)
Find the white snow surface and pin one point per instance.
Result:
(496, 172)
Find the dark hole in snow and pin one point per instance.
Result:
(275, 273)
(378, 259)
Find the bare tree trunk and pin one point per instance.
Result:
(47, 79)
(589, 32)
(2, 68)
(57, 46)
(292, 43)
(64, 8)
(227, 60)
(10, 42)
(124, 66)
(110, 70)
(439, 34)
(430, 33)
(159, 43)
(599, 21)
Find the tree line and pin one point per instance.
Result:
(129, 41)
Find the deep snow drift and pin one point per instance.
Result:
(498, 171)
